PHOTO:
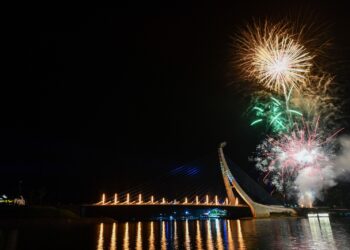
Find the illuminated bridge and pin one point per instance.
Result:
(243, 198)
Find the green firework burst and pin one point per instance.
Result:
(274, 114)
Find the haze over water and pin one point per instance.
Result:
(272, 233)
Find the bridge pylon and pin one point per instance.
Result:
(258, 210)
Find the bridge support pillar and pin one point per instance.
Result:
(258, 210)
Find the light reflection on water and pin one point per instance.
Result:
(126, 236)
(187, 236)
(271, 233)
(240, 235)
(138, 237)
(151, 236)
(219, 242)
(163, 239)
(176, 245)
(282, 233)
(198, 236)
(209, 235)
(322, 229)
(114, 237)
(100, 238)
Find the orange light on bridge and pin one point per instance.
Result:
(216, 199)
(140, 198)
(127, 198)
(236, 202)
(115, 198)
(163, 200)
(207, 199)
(197, 201)
(152, 199)
(226, 201)
(103, 199)
(186, 201)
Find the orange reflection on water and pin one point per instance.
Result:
(187, 236)
(151, 237)
(175, 235)
(163, 239)
(209, 237)
(230, 241)
(198, 235)
(113, 245)
(219, 241)
(139, 236)
(241, 244)
(100, 238)
(126, 236)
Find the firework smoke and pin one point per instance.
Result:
(311, 184)
(342, 161)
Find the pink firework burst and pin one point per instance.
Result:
(282, 158)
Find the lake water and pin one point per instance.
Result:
(272, 233)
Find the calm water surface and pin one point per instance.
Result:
(276, 233)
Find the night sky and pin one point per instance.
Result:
(92, 98)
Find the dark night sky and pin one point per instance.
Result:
(95, 95)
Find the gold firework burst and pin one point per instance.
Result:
(274, 56)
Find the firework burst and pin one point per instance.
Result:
(302, 152)
(275, 114)
(321, 98)
(292, 89)
(273, 56)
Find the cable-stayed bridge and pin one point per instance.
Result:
(242, 196)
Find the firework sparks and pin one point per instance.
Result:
(275, 113)
(321, 98)
(299, 159)
(274, 57)
(302, 152)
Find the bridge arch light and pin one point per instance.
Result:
(127, 198)
(197, 201)
(207, 199)
(115, 198)
(140, 198)
(103, 199)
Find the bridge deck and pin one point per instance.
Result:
(167, 204)
(165, 211)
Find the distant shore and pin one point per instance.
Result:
(46, 215)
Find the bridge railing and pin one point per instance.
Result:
(200, 201)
